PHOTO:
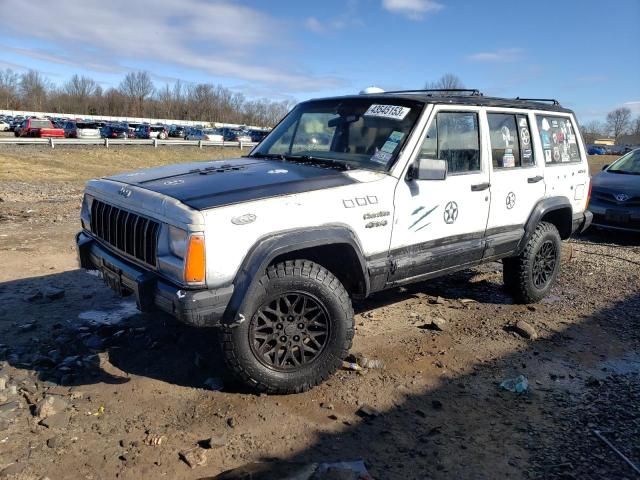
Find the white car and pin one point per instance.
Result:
(4, 126)
(271, 248)
(207, 134)
(80, 129)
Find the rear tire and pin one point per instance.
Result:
(299, 327)
(530, 276)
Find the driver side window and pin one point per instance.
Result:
(454, 137)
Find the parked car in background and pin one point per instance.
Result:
(258, 135)
(206, 134)
(15, 123)
(615, 194)
(236, 135)
(74, 129)
(38, 127)
(596, 150)
(114, 131)
(152, 131)
(176, 131)
(4, 126)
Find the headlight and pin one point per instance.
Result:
(177, 241)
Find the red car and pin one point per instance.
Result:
(38, 127)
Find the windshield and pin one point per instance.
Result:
(361, 132)
(40, 124)
(630, 164)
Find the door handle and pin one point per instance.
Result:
(479, 187)
(535, 179)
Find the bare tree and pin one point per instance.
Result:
(137, 86)
(445, 82)
(618, 121)
(79, 91)
(593, 130)
(33, 89)
(9, 81)
(635, 126)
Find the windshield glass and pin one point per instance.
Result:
(630, 163)
(40, 124)
(361, 132)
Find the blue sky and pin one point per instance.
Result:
(586, 53)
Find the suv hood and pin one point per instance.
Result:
(205, 185)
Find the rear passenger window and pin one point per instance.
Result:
(558, 138)
(453, 136)
(510, 140)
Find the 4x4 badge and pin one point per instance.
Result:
(511, 200)
(450, 212)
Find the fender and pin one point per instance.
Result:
(266, 249)
(542, 208)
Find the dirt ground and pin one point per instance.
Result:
(121, 394)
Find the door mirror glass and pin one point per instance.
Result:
(429, 169)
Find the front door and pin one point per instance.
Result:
(440, 224)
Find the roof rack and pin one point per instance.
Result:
(552, 101)
(470, 91)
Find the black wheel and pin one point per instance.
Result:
(298, 329)
(530, 276)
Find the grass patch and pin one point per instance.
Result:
(78, 164)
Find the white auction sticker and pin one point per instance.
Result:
(388, 111)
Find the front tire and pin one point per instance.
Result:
(530, 276)
(299, 327)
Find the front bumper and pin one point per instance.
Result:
(200, 308)
(615, 217)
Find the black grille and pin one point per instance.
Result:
(128, 232)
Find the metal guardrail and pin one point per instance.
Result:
(107, 142)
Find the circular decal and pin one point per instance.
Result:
(525, 137)
(450, 212)
(511, 200)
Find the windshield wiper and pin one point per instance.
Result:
(277, 156)
(330, 162)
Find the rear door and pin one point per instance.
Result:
(440, 224)
(566, 171)
(517, 178)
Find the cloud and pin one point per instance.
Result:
(500, 55)
(348, 18)
(634, 106)
(217, 37)
(315, 25)
(412, 9)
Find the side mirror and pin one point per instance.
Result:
(604, 167)
(429, 169)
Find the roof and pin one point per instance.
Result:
(433, 97)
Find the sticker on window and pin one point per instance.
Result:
(394, 112)
(381, 157)
(396, 136)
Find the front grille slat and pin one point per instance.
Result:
(125, 231)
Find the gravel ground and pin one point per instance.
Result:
(90, 389)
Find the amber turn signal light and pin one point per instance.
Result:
(194, 262)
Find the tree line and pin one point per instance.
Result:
(617, 124)
(136, 96)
